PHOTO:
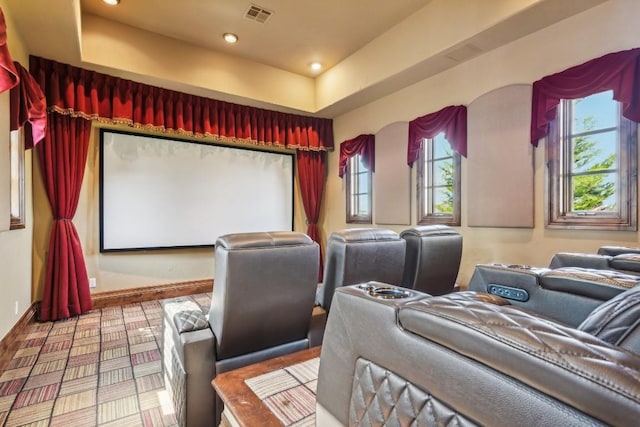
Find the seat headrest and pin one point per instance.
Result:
(629, 262)
(262, 240)
(363, 235)
(429, 230)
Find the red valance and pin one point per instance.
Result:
(364, 145)
(92, 95)
(28, 105)
(619, 71)
(8, 74)
(451, 120)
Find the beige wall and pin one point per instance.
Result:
(607, 28)
(15, 245)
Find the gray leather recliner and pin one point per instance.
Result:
(471, 359)
(607, 258)
(358, 255)
(263, 296)
(432, 258)
(565, 294)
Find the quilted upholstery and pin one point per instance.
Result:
(190, 320)
(380, 397)
(469, 361)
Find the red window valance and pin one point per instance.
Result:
(364, 145)
(28, 105)
(451, 120)
(619, 71)
(8, 74)
(92, 95)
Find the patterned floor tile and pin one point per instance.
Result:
(116, 391)
(81, 418)
(115, 376)
(49, 366)
(120, 362)
(130, 421)
(74, 402)
(147, 369)
(150, 382)
(114, 353)
(12, 386)
(119, 408)
(83, 359)
(14, 374)
(85, 349)
(36, 395)
(30, 414)
(36, 381)
(78, 385)
(6, 402)
(80, 371)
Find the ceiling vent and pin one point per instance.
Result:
(258, 14)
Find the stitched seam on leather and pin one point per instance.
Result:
(619, 306)
(566, 365)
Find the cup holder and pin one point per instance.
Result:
(389, 293)
(366, 287)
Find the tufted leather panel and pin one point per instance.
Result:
(617, 321)
(381, 397)
(488, 393)
(190, 320)
(570, 365)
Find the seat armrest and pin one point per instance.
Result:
(595, 284)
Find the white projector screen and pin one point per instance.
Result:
(160, 193)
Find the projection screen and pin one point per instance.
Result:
(158, 192)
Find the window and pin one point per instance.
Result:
(592, 166)
(438, 183)
(16, 145)
(358, 191)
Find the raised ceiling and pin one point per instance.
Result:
(369, 48)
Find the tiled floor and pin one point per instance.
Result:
(99, 369)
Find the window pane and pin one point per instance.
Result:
(363, 204)
(594, 112)
(595, 152)
(443, 173)
(595, 193)
(441, 147)
(363, 183)
(443, 201)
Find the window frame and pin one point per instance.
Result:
(17, 155)
(557, 214)
(352, 216)
(425, 217)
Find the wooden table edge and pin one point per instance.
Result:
(241, 401)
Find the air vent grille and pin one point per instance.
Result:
(257, 13)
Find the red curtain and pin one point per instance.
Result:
(63, 155)
(619, 71)
(92, 95)
(28, 105)
(312, 175)
(364, 145)
(451, 120)
(8, 74)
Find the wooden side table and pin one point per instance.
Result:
(241, 405)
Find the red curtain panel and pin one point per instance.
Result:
(451, 120)
(618, 71)
(8, 74)
(312, 174)
(63, 156)
(28, 105)
(364, 145)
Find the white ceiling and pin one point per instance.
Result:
(297, 33)
(369, 48)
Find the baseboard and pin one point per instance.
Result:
(11, 342)
(150, 293)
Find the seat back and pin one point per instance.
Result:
(432, 259)
(263, 292)
(360, 255)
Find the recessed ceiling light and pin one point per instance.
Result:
(111, 2)
(230, 37)
(315, 66)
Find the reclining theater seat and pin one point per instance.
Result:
(566, 294)
(432, 258)
(432, 361)
(607, 258)
(263, 296)
(359, 255)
